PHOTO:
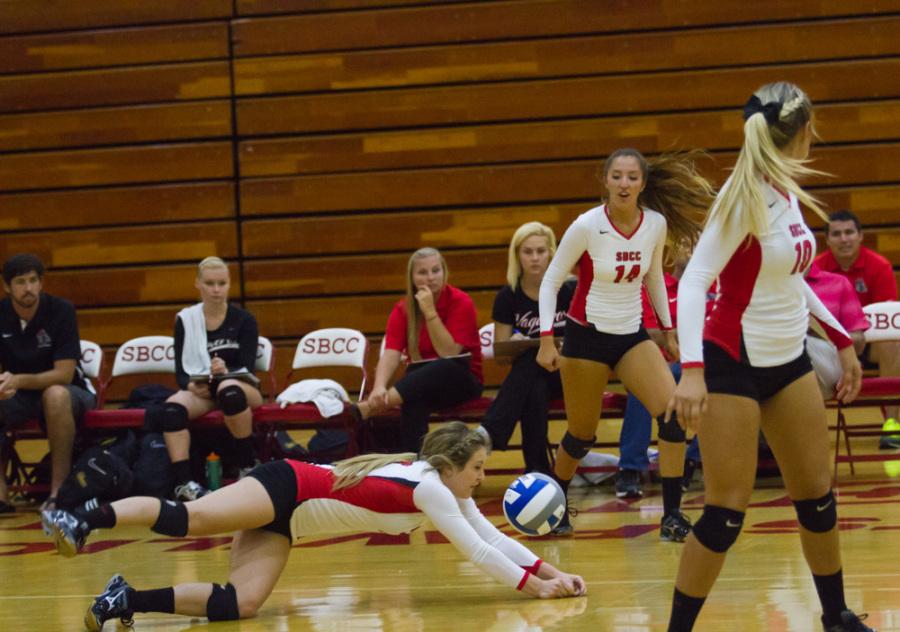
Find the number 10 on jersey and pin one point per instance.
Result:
(804, 255)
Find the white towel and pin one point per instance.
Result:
(826, 363)
(195, 358)
(327, 395)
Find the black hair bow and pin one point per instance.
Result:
(770, 110)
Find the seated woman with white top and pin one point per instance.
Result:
(212, 338)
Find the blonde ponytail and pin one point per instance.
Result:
(449, 446)
(774, 115)
(349, 472)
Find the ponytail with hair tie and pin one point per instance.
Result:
(771, 110)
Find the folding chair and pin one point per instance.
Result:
(92, 365)
(145, 355)
(265, 363)
(323, 348)
(486, 336)
(884, 325)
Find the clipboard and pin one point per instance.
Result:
(244, 376)
(463, 358)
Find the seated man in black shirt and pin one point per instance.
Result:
(41, 378)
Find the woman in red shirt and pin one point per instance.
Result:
(441, 346)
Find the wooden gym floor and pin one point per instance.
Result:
(417, 582)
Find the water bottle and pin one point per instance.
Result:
(213, 471)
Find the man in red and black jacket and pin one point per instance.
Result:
(872, 276)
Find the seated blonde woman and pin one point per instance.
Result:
(436, 328)
(528, 388)
(212, 338)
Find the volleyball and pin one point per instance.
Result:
(534, 504)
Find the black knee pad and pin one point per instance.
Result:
(155, 418)
(575, 447)
(670, 431)
(232, 399)
(172, 520)
(818, 515)
(718, 528)
(175, 417)
(222, 604)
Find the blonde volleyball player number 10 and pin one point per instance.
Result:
(746, 368)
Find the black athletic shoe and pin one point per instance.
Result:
(890, 442)
(112, 603)
(675, 527)
(628, 484)
(564, 529)
(67, 531)
(850, 622)
(192, 490)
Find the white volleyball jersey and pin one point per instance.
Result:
(763, 300)
(611, 268)
(397, 499)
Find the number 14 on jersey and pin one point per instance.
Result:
(634, 273)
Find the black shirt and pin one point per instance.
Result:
(517, 309)
(235, 341)
(51, 335)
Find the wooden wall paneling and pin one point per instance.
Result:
(400, 232)
(869, 163)
(141, 204)
(886, 242)
(132, 285)
(471, 268)
(117, 125)
(853, 122)
(135, 244)
(114, 47)
(257, 7)
(683, 90)
(23, 16)
(874, 205)
(115, 325)
(514, 184)
(566, 139)
(506, 184)
(568, 56)
(133, 85)
(120, 165)
(294, 317)
(157, 163)
(509, 20)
